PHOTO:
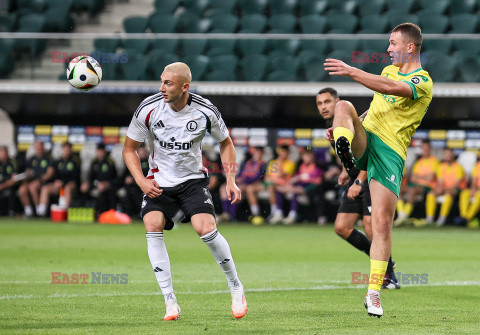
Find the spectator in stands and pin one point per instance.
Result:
(67, 176)
(39, 172)
(249, 180)
(450, 180)
(131, 196)
(305, 181)
(8, 170)
(468, 210)
(279, 173)
(101, 181)
(422, 180)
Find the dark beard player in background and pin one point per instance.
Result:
(356, 200)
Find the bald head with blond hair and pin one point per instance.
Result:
(180, 69)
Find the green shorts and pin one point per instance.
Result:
(382, 163)
(426, 189)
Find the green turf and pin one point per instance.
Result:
(297, 280)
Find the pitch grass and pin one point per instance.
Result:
(297, 280)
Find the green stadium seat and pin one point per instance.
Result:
(434, 7)
(312, 24)
(318, 46)
(136, 46)
(221, 47)
(252, 6)
(465, 46)
(286, 47)
(7, 22)
(92, 6)
(309, 7)
(157, 60)
(162, 23)
(7, 63)
(31, 23)
(375, 23)
(470, 69)
(401, 7)
(218, 75)
(135, 68)
(30, 6)
(464, 24)
(314, 70)
(224, 23)
(343, 55)
(110, 71)
(342, 23)
(395, 18)
(433, 23)
(253, 67)
(282, 6)
(198, 65)
(380, 45)
(189, 22)
(166, 6)
(135, 24)
(196, 6)
(226, 63)
(59, 4)
(282, 76)
(348, 6)
(375, 68)
(282, 23)
(253, 23)
(167, 46)
(193, 47)
(307, 56)
(371, 7)
(438, 46)
(347, 45)
(462, 6)
(58, 19)
(282, 62)
(221, 7)
(370, 56)
(442, 68)
(252, 47)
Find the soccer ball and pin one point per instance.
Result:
(84, 73)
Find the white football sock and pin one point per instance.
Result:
(292, 214)
(255, 210)
(28, 210)
(220, 250)
(41, 210)
(273, 208)
(158, 255)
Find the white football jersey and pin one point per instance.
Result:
(176, 137)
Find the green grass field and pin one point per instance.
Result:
(298, 281)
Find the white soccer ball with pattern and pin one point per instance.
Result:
(84, 73)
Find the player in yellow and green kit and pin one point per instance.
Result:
(402, 95)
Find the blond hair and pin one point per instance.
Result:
(180, 69)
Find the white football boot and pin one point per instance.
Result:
(173, 311)
(373, 303)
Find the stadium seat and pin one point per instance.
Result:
(198, 65)
(109, 71)
(135, 24)
(462, 6)
(380, 45)
(193, 47)
(221, 47)
(465, 46)
(7, 63)
(371, 7)
(221, 7)
(252, 47)
(442, 68)
(31, 23)
(286, 47)
(162, 23)
(375, 68)
(470, 69)
(318, 46)
(395, 18)
(253, 67)
(434, 7)
(432, 23)
(373, 24)
(224, 23)
(7, 22)
(312, 24)
(314, 70)
(196, 6)
(30, 6)
(252, 6)
(58, 19)
(282, 6)
(226, 63)
(342, 23)
(167, 46)
(282, 62)
(346, 45)
(106, 45)
(401, 7)
(464, 23)
(307, 56)
(166, 6)
(308, 7)
(136, 46)
(157, 60)
(189, 22)
(282, 24)
(437, 46)
(59, 4)
(135, 68)
(282, 76)
(253, 24)
(348, 6)
(92, 6)
(221, 76)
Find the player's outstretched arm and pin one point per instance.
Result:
(148, 186)
(227, 154)
(374, 82)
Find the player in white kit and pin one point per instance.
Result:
(175, 122)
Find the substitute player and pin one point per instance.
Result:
(355, 202)
(176, 122)
(403, 93)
